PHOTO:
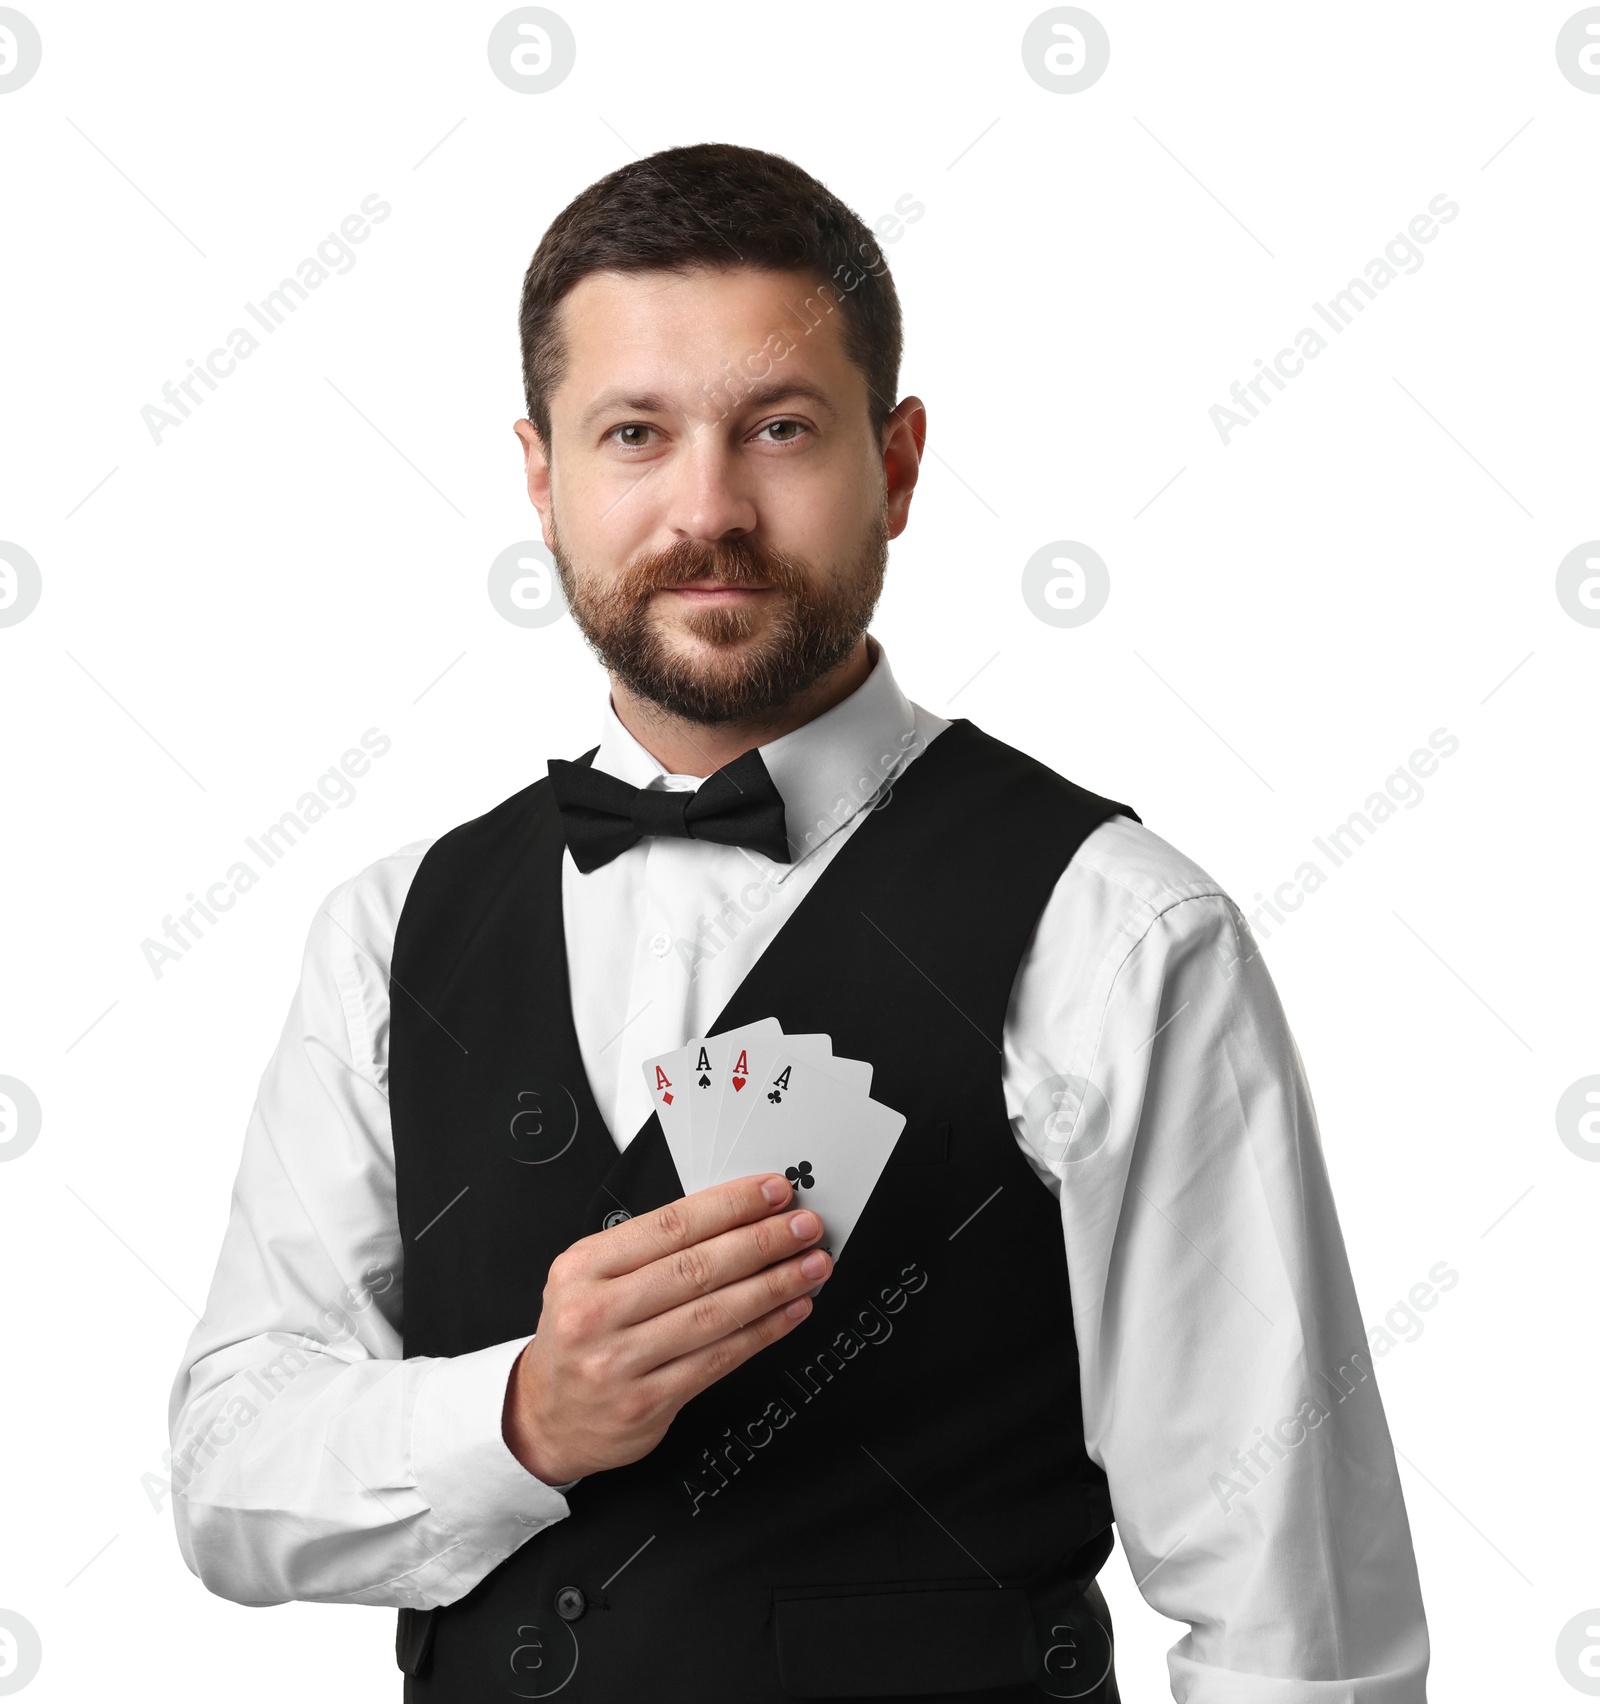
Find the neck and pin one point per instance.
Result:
(695, 748)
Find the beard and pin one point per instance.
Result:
(762, 654)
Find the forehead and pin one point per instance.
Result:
(677, 332)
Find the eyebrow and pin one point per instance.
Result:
(758, 396)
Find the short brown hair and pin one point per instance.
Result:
(717, 205)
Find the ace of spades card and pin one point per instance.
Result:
(719, 1087)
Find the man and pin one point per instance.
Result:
(471, 1350)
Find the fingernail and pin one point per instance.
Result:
(776, 1189)
(798, 1308)
(804, 1225)
(815, 1264)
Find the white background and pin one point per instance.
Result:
(1372, 559)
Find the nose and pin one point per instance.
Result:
(710, 498)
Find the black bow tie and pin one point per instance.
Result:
(737, 805)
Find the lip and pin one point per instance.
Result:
(710, 593)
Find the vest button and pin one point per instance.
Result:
(617, 1216)
(570, 1603)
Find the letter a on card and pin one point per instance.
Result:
(666, 1078)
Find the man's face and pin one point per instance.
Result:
(717, 500)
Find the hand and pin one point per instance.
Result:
(639, 1318)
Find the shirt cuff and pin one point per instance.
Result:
(471, 1480)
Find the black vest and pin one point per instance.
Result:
(895, 1498)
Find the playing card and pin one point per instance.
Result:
(748, 1062)
(712, 1079)
(666, 1080)
(828, 1138)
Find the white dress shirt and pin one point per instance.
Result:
(1152, 1082)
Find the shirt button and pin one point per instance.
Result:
(660, 944)
(570, 1603)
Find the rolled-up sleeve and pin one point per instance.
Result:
(309, 1459)
(1227, 1389)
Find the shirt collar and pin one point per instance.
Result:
(826, 771)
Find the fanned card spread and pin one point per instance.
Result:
(756, 1100)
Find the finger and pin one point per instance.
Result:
(688, 1220)
(707, 1318)
(704, 1269)
(676, 1381)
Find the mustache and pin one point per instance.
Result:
(729, 562)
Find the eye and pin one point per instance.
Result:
(790, 431)
(630, 442)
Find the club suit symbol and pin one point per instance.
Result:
(800, 1175)
(774, 1095)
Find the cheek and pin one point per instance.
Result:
(822, 519)
(602, 521)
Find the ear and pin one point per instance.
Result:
(537, 465)
(904, 434)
